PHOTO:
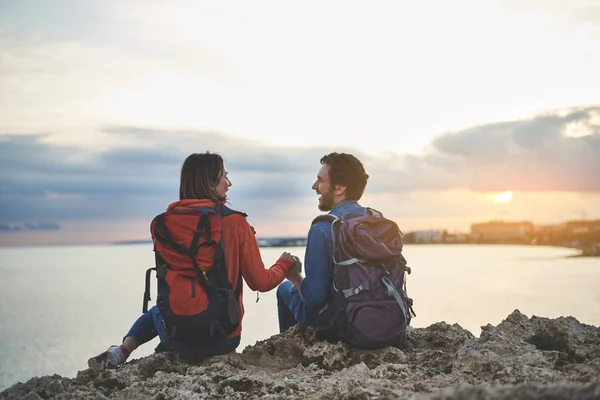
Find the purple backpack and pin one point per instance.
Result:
(369, 307)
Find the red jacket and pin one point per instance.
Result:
(242, 254)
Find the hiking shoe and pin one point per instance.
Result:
(109, 359)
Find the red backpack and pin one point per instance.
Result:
(195, 297)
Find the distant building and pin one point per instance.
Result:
(582, 226)
(547, 233)
(281, 242)
(549, 228)
(428, 236)
(455, 238)
(502, 232)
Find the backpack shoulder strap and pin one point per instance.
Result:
(324, 218)
(334, 220)
(376, 213)
(163, 235)
(226, 211)
(330, 217)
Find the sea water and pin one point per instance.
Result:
(61, 305)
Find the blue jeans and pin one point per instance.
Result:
(150, 324)
(290, 307)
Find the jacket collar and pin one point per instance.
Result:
(192, 203)
(343, 205)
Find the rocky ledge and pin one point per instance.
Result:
(521, 358)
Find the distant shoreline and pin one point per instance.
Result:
(583, 253)
(299, 242)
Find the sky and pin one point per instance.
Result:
(461, 112)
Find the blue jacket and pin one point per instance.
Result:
(318, 262)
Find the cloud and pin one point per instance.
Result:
(557, 151)
(535, 154)
(29, 226)
(40, 179)
(545, 153)
(73, 67)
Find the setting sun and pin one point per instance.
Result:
(503, 197)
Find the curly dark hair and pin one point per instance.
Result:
(346, 170)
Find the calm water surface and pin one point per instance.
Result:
(61, 305)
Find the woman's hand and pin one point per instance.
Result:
(294, 274)
(297, 264)
(288, 256)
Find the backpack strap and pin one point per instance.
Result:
(203, 225)
(147, 290)
(331, 218)
(225, 211)
(162, 234)
(221, 270)
(391, 290)
(374, 212)
(324, 218)
(335, 220)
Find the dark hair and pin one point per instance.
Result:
(346, 170)
(200, 173)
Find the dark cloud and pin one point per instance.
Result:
(256, 169)
(32, 167)
(532, 155)
(29, 226)
(40, 181)
(135, 157)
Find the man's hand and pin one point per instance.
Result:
(297, 267)
(295, 277)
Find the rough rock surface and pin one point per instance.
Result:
(521, 358)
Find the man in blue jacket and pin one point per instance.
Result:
(340, 184)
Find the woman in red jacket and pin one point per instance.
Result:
(204, 183)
